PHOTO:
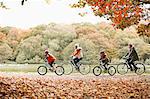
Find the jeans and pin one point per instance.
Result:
(131, 63)
(76, 60)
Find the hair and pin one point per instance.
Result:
(130, 45)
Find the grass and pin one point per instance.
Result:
(26, 68)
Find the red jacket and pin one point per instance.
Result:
(50, 58)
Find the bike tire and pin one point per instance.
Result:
(122, 68)
(97, 70)
(59, 70)
(84, 69)
(43, 68)
(68, 68)
(141, 68)
(111, 70)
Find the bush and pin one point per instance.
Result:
(89, 49)
(5, 52)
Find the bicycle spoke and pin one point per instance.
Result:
(122, 68)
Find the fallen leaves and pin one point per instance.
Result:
(117, 87)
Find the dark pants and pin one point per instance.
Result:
(76, 60)
(131, 63)
(51, 64)
(104, 63)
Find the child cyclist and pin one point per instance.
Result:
(103, 59)
(50, 58)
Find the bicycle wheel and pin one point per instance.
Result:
(141, 68)
(59, 70)
(97, 70)
(111, 70)
(42, 70)
(68, 68)
(84, 69)
(122, 68)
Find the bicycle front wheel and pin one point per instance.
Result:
(84, 69)
(122, 68)
(59, 70)
(42, 70)
(111, 70)
(68, 68)
(97, 70)
(140, 68)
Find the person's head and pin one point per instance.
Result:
(130, 46)
(102, 52)
(79, 48)
(46, 51)
(76, 46)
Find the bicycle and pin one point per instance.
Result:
(80, 67)
(122, 68)
(97, 70)
(43, 69)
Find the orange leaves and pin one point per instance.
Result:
(118, 10)
(144, 30)
(73, 87)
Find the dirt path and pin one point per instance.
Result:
(34, 86)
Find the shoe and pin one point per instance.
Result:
(136, 68)
(77, 68)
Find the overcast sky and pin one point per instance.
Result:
(35, 12)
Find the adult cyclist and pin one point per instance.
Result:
(77, 55)
(132, 56)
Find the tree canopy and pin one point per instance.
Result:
(122, 13)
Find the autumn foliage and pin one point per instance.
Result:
(122, 13)
(144, 30)
(73, 87)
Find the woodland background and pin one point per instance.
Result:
(27, 46)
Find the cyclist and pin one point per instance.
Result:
(50, 58)
(104, 59)
(132, 56)
(77, 55)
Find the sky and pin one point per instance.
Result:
(36, 12)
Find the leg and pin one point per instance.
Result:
(75, 60)
(130, 64)
(79, 59)
(51, 64)
(104, 64)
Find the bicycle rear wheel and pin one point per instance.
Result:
(111, 70)
(84, 69)
(122, 68)
(141, 68)
(59, 70)
(42, 70)
(68, 68)
(97, 70)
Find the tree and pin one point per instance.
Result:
(123, 13)
(144, 31)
